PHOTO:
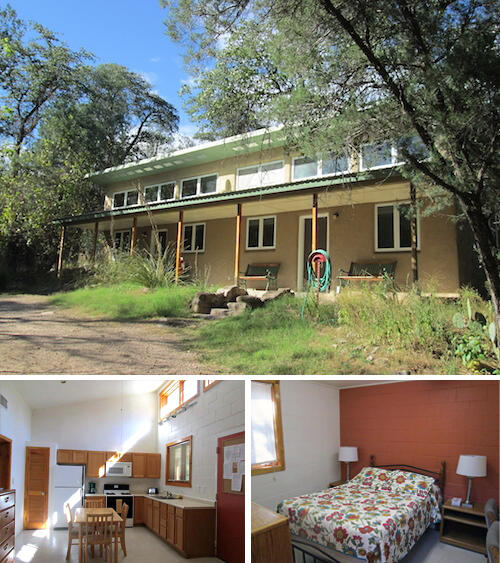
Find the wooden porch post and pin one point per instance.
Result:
(413, 233)
(133, 240)
(94, 242)
(178, 247)
(237, 245)
(314, 223)
(61, 248)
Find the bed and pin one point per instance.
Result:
(378, 516)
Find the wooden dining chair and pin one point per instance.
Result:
(73, 538)
(121, 528)
(93, 503)
(98, 531)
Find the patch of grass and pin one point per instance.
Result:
(129, 301)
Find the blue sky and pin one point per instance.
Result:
(127, 32)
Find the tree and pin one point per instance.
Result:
(336, 73)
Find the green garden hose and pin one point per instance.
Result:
(325, 279)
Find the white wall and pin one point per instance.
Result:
(311, 433)
(220, 411)
(15, 423)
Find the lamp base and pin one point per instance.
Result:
(467, 505)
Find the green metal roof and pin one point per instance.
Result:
(236, 196)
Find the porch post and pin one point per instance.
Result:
(237, 245)
(413, 233)
(61, 248)
(314, 223)
(94, 242)
(133, 241)
(178, 247)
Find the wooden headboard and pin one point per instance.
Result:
(440, 475)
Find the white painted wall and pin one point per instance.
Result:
(311, 433)
(220, 411)
(15, 423)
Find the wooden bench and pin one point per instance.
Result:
(367, 272)
(261, 272)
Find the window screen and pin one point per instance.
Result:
(167, 191)
(385, 226)
(151, 194)
(268, 234)
(253, 233)
(119, 200)
(132, 198)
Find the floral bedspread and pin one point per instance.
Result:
(371, 517)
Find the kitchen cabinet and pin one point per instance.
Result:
(118, 456)
(72, 457)
(148, 513)
(153, 466)
(156, 518)
(163, 521)
(138, 464)
(7, 525)
(179, 527)
(270, 536)
(171, 524)
(138, 510)
(96, 464)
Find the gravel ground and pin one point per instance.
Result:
(36, 338)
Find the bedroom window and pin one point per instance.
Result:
(329, 164)
(125, 199)
(268, 453)
(393, 227)
(260, 175)
(176, 394)
(163, 192)
(261, 233)
(194, 237)
(199, 186)
(378, 155)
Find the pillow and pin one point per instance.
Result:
(375, 477)
(409, 482)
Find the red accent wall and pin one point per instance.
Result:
(423, 422)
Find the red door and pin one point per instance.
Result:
(230, 508)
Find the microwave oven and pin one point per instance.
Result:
(119, 469)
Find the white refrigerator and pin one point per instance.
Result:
(69, 486)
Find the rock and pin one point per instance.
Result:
(237, 308)
(251, 301)
(217, 312)
(203, 302)
(369, 358)
(276, 294)
(231, 292)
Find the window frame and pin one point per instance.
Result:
(259, 172)
(121, 232)
(319, 168)
(260, 218)
(396, 225)
(206, 387)
(193, 237)
(167, 464)
(158, 193)
(394, 156)
(167, 389)
(198, 185)
(126, 192)
(152, 245)
(279, 464)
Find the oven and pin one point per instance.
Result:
(112, 501)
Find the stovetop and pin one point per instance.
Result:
(121, 489)
(118, 493)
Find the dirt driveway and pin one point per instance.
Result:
(36, 338)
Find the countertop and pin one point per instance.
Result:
(185, 502)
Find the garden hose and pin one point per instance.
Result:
(322, 257)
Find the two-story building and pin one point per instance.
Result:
(246, 199)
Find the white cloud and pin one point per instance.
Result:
(155, 59)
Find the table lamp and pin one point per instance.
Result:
(471, 466)
(348, 454)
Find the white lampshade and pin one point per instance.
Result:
(348, 453)
(472, 465)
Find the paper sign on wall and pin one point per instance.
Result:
(234, 465)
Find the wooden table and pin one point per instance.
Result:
(81, 518)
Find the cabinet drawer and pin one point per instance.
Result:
(7, 531)
(7, 546)
(8, 558)
(6, 516)
(8, 500)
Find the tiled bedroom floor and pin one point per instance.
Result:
(142, 546)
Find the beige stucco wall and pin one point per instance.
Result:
(351, 239)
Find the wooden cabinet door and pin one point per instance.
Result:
(138, 465)
(179, 529)
(153, 466)
(171, 524)
(138, 510)
(128, 457)
(148, 512)
(64, 456)
(96, 464)
(79, 457)
(163, 521)
(36, 488)
(156, 517)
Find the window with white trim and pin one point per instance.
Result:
(261, 233)
(160, 192)
(378, 155)
(121, 240)
(327, 165)
(393, 227)
(267, 174)
(199, 186)
(194, 237)
(125, 199)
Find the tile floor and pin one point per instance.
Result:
(142, 547)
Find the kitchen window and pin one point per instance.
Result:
(267, 174)
(121, 240)
(208, 383)
(327, 165)
(393, 227)
(378, 155)
(261, 233)
(161, 192)
(194, 237)
(125, 199)
(176, 394)
(199, 186)
(267, 451)
(179, 462)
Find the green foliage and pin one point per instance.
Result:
(470, 348)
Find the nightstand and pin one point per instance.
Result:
(464, 527)
(336, 483)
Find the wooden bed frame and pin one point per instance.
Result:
(305, 551)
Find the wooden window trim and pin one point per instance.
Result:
(279, 464)
(210, 385)
(167, 457)
(170, 386)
